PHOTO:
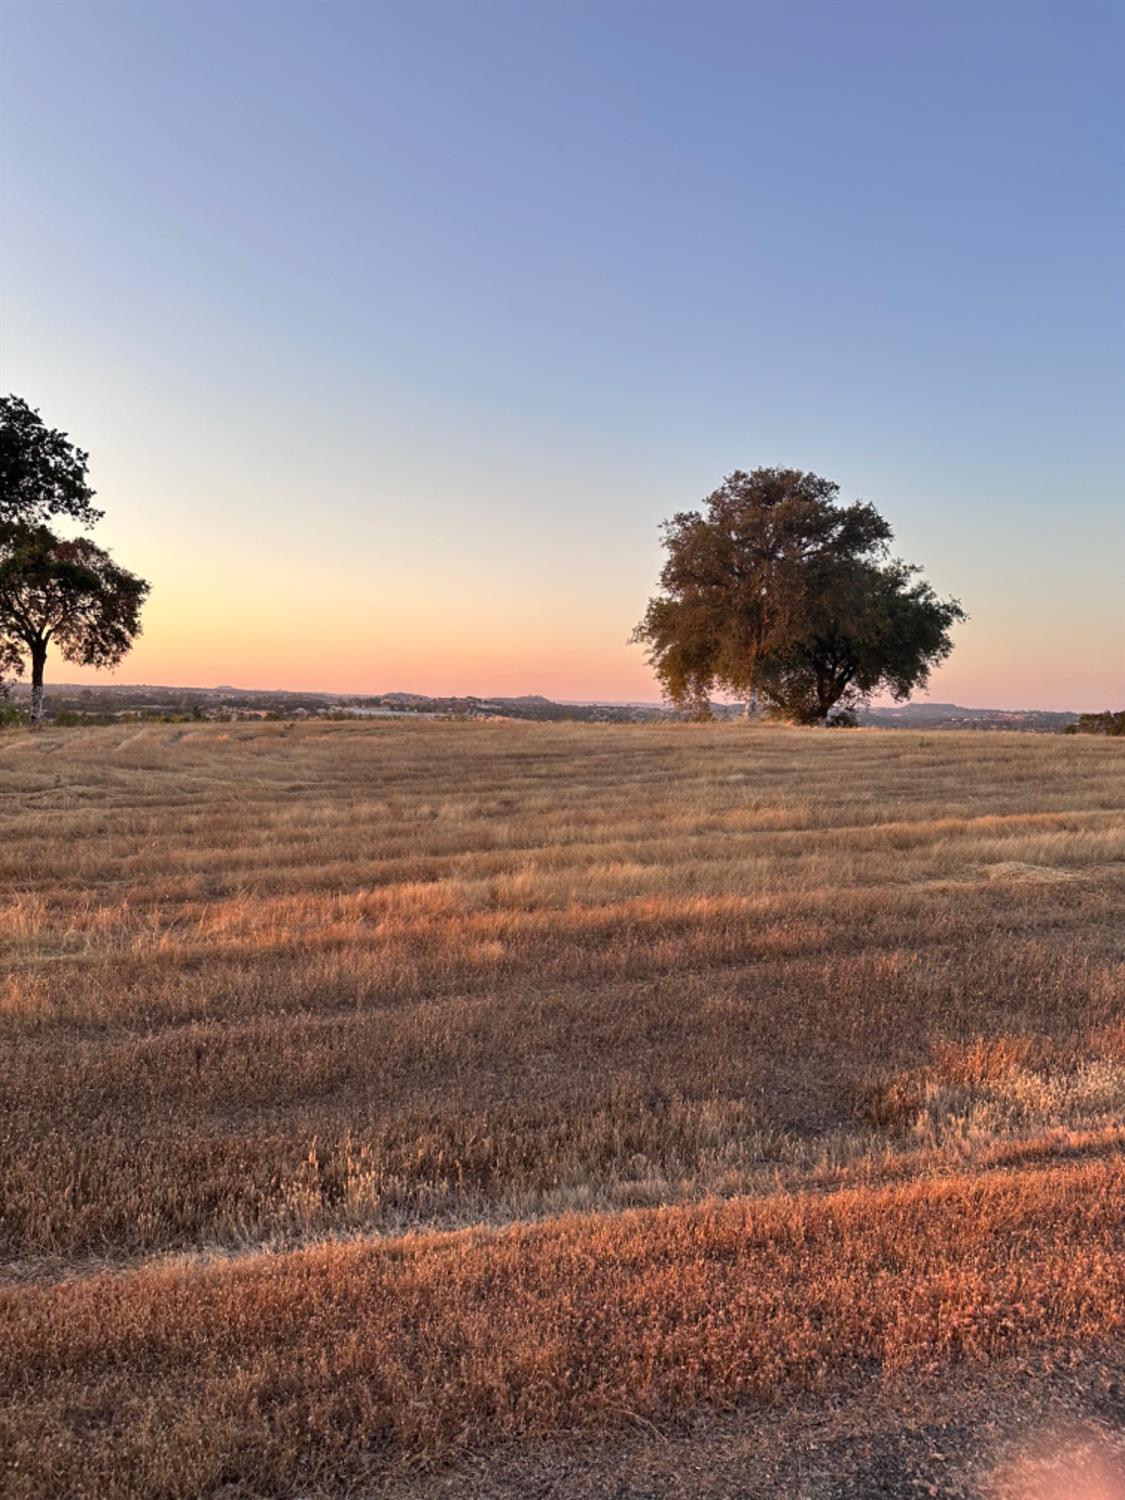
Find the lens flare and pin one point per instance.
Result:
(1086, 1465)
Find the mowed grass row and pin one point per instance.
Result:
(824, 1034)
(159, 816)
(321, 1370)
(519, 1103)
(262, 984)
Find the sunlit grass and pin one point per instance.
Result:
(304, 990)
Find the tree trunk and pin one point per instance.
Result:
(829, 692)
(751, 692)
(38, 662)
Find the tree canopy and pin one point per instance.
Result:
(42, 474)
(879, 628)
(53, 590)
(775, 590)
(68, 592)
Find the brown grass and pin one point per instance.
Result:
(318, 1365)
(264, 986)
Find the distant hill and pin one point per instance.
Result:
(954, 716)
(118, 700)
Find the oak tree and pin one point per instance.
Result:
(877, 628)
(775, 590)
(42, 473)
(69, 593)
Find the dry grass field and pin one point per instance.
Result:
(452, 1108)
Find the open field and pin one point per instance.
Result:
(384, 1100)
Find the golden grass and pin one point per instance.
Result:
(317, 1366)
(267, 986)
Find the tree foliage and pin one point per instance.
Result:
(775, 589)
(55, 591)
(877, 628)
(71, 593)
(11, 660)
(42, 474)
(1108, 722)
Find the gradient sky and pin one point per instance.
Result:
(395, 330)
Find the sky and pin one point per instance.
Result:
(395, 330)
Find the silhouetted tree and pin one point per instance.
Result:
(42, 474)
(69, 593)
(775, 590)
(875, 627)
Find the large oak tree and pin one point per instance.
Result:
(877, 628)
(775, 590)
(69, 593)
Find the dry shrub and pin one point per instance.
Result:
(984, 1060)
(1000, 1086)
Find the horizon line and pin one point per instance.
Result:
(228, 687)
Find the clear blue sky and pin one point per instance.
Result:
(394, 330)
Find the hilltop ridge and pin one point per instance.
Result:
(144, 700)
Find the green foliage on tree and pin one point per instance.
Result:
(876, 628)
(10, 663)
(42, 474)
(55, 591)
(775, 590)
(70, 593)
(1108, 722)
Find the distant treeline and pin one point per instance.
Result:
(1103, 723)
